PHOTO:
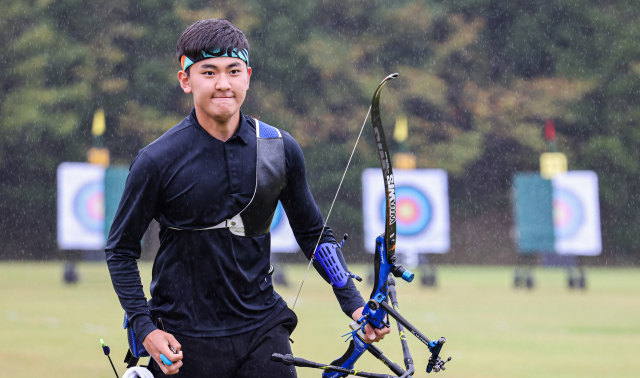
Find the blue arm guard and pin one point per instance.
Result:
(135, 346)
(329, 256)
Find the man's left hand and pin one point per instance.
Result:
(371, 334)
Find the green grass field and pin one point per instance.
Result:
(48, 329)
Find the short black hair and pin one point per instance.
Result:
(209, 34)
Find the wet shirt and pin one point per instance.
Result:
(207, 283)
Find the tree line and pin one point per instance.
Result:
(478, 79)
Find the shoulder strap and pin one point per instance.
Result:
(265, 131)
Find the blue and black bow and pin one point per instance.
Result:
(376, 311)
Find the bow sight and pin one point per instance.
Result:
(376, 311)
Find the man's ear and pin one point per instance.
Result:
(248, 76)
(184, 81)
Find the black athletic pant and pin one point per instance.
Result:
(247, 355)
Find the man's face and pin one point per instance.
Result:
(219, 86)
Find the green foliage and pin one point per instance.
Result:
(478, 78)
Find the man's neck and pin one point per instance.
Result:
(221, 129)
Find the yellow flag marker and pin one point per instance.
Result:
(403, 160)
(401, 132)
(99, 123)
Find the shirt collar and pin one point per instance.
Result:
(244, 132)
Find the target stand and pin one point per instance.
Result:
(575, 267)
(576, 277)
(428, 277)
(523, 275)
(559, 220)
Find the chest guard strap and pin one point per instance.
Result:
(270, 181)
(255, 219)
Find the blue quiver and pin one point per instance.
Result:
(135, 347)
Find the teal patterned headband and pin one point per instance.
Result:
(187, 61)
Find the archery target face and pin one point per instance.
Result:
(413, 211)
(80, 206)
(568, 215)
(422, 210)
(88, 206)
(576, 213)
(282, 238)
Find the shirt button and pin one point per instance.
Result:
(231, 156)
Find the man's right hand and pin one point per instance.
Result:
(156, 343)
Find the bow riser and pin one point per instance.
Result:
(373, 313)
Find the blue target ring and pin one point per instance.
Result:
(277, 217)
(414, 211)
(568, 214)
(88, 206)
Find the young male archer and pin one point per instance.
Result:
(213, 183)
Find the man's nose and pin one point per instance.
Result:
(223, 83)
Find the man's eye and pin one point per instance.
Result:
(209, 73)
(235, 72)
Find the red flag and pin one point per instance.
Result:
(550, 130)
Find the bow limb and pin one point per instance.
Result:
(387, 172)
(389, 183)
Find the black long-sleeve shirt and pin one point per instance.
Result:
(206, 283)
